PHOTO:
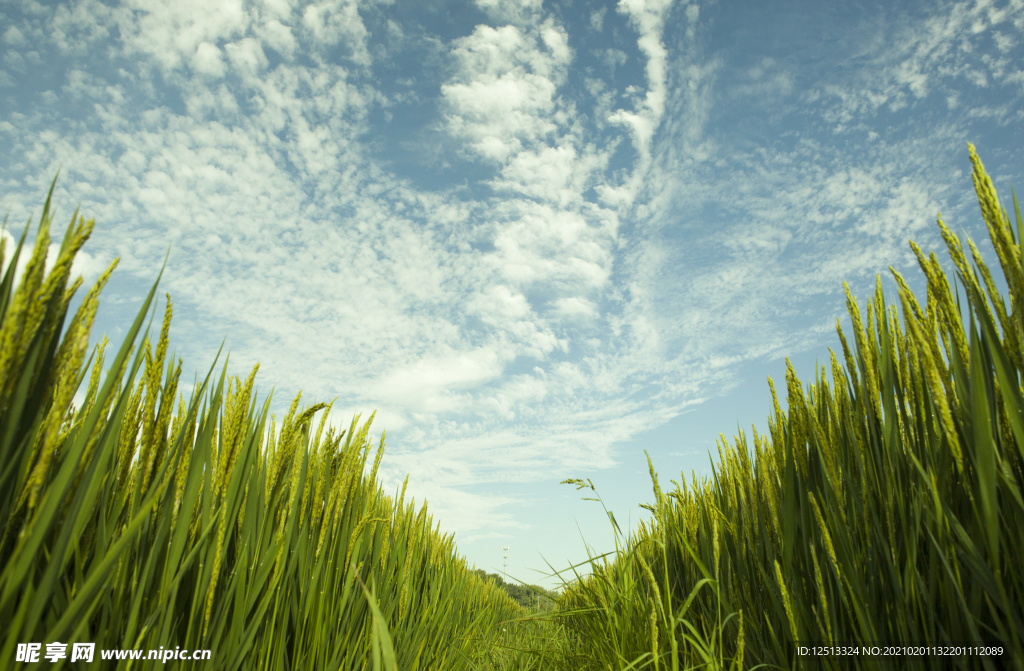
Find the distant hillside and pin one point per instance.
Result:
(533, 597)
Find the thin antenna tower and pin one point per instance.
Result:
(505, 548)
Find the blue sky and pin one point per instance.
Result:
(538, 238)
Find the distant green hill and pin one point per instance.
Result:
(533, 597)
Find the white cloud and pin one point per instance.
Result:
(208, 60)
(512, 11)
(919, 56)
(277, 9)
(338, 21)
(648, 18)
(278, 37)
(499, 304)
(575, 306)
(77, 28)
(14, 37)
(247, 56)
(170, 33)
(14, 60)
(545, 244)
(613, 58)
(554, 174)
(504, 96)
(765, 80)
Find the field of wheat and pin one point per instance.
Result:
(882, 509)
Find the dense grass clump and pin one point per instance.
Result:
(140, 521)
(884, 508)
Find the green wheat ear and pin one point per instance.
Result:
(908, 465)
(146, 520)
